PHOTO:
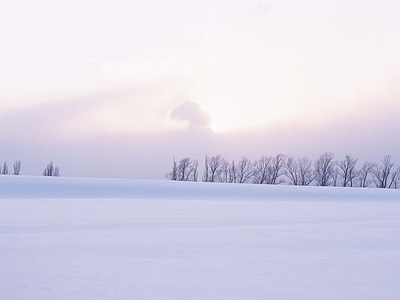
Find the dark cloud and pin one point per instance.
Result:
(192, 112)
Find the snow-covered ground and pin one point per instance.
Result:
(64, 238)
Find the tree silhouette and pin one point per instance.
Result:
(51, 170)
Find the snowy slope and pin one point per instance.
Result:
(66, 238)
(60, 187)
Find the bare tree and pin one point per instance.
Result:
(232, 173)
(397, 182)
(277, 170)
(212, 168)
(335, 174)
(244, 170)
(185, 170)
(364, 174)
(225, 171)
(206, 173)
(324, 169)
(56, 171)
(292, 171)
(394, 178)
(195, 173)
(4, 171)
(268, 170)
(51, 170)
(173, 175)
(381, 173)
(261, 171)
(305, 171)
(17, 167)
(299, 171)
(347, 170)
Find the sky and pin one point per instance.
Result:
(119, 88)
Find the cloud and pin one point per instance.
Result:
(51, 119)
(192, 112)
(35, 135)
(141, 107)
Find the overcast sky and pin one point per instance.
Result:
(117, 88)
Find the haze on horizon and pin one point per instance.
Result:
(117, 88)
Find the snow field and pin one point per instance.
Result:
(288, 245)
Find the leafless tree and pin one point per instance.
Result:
(185, 170)
(364, 174)
(51, 170)
(324, 169)
(212, 168)
(244, 170)
(347, 170)
(381, 173)
(232, 173)
(56, 171)
(277, 170)
(335, 174)
(394, 178)
(268, 170)
(299, 171)
(305, 171)
(292, 171)
(224, 176)
(397, 182)
(195, 173)
(261, 171)
(4, 171)
(173, 175)
(17, 167)
(206, 173)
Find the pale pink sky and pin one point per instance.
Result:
(116, 88)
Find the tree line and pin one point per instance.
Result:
(323, 171)
(50, 170)
(16, 168)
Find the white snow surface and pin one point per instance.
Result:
(64, 238)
